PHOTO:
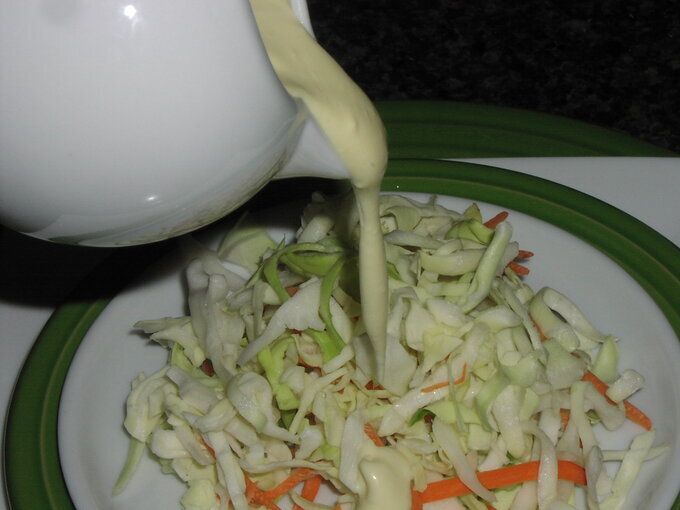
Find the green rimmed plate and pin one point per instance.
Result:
(445, 129)
(33, 474)
(622, 238)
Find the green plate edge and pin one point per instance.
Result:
(32, 470)
(445, 129)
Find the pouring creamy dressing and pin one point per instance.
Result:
(353, 126)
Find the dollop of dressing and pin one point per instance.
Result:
(354, 129)
(388, 479)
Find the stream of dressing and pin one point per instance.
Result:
(353, 126)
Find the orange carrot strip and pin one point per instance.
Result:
(444, 384)
(373, 435)
(252, 490)
(435, 387)
(462, 375)
(565, 415)
(636, 415)
(416, 500)
(499, 218)
(296, 476)
(524, 254)
(256, 495)
(599, 384)
(518, 268)
(503, 477)
(309, 490)
(632, 413)
(291, 291)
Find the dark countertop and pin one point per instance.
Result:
(611, 63)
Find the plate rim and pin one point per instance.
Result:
(451, 129)
(47, 365)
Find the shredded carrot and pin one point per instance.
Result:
(503, 477)
(499, 218)
(635, 415)
(373, 435)
(489, 507)
(524, 254)
(564, 416)
(461, 379)
(252, 490)
(256, 495)
(309, 490)
(632, 413)
(444, 384)
(599, 384)
(435, 387)
(292, 290)
(296, 476)
(416, 500)
(518, 268)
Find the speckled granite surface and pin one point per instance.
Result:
(612, 63)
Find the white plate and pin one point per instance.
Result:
(92, 442)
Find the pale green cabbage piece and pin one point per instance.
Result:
(606, 362)
(200, 496)
(246, 246)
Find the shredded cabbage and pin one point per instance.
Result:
(274, 373)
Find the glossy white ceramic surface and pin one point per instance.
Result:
(127, 121)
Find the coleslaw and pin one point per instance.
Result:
(489, 397)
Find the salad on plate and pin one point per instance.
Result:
(489, 396)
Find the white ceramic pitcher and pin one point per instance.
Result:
(130, 121)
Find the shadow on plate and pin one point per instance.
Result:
(39, 273)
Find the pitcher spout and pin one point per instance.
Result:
(313, 156)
